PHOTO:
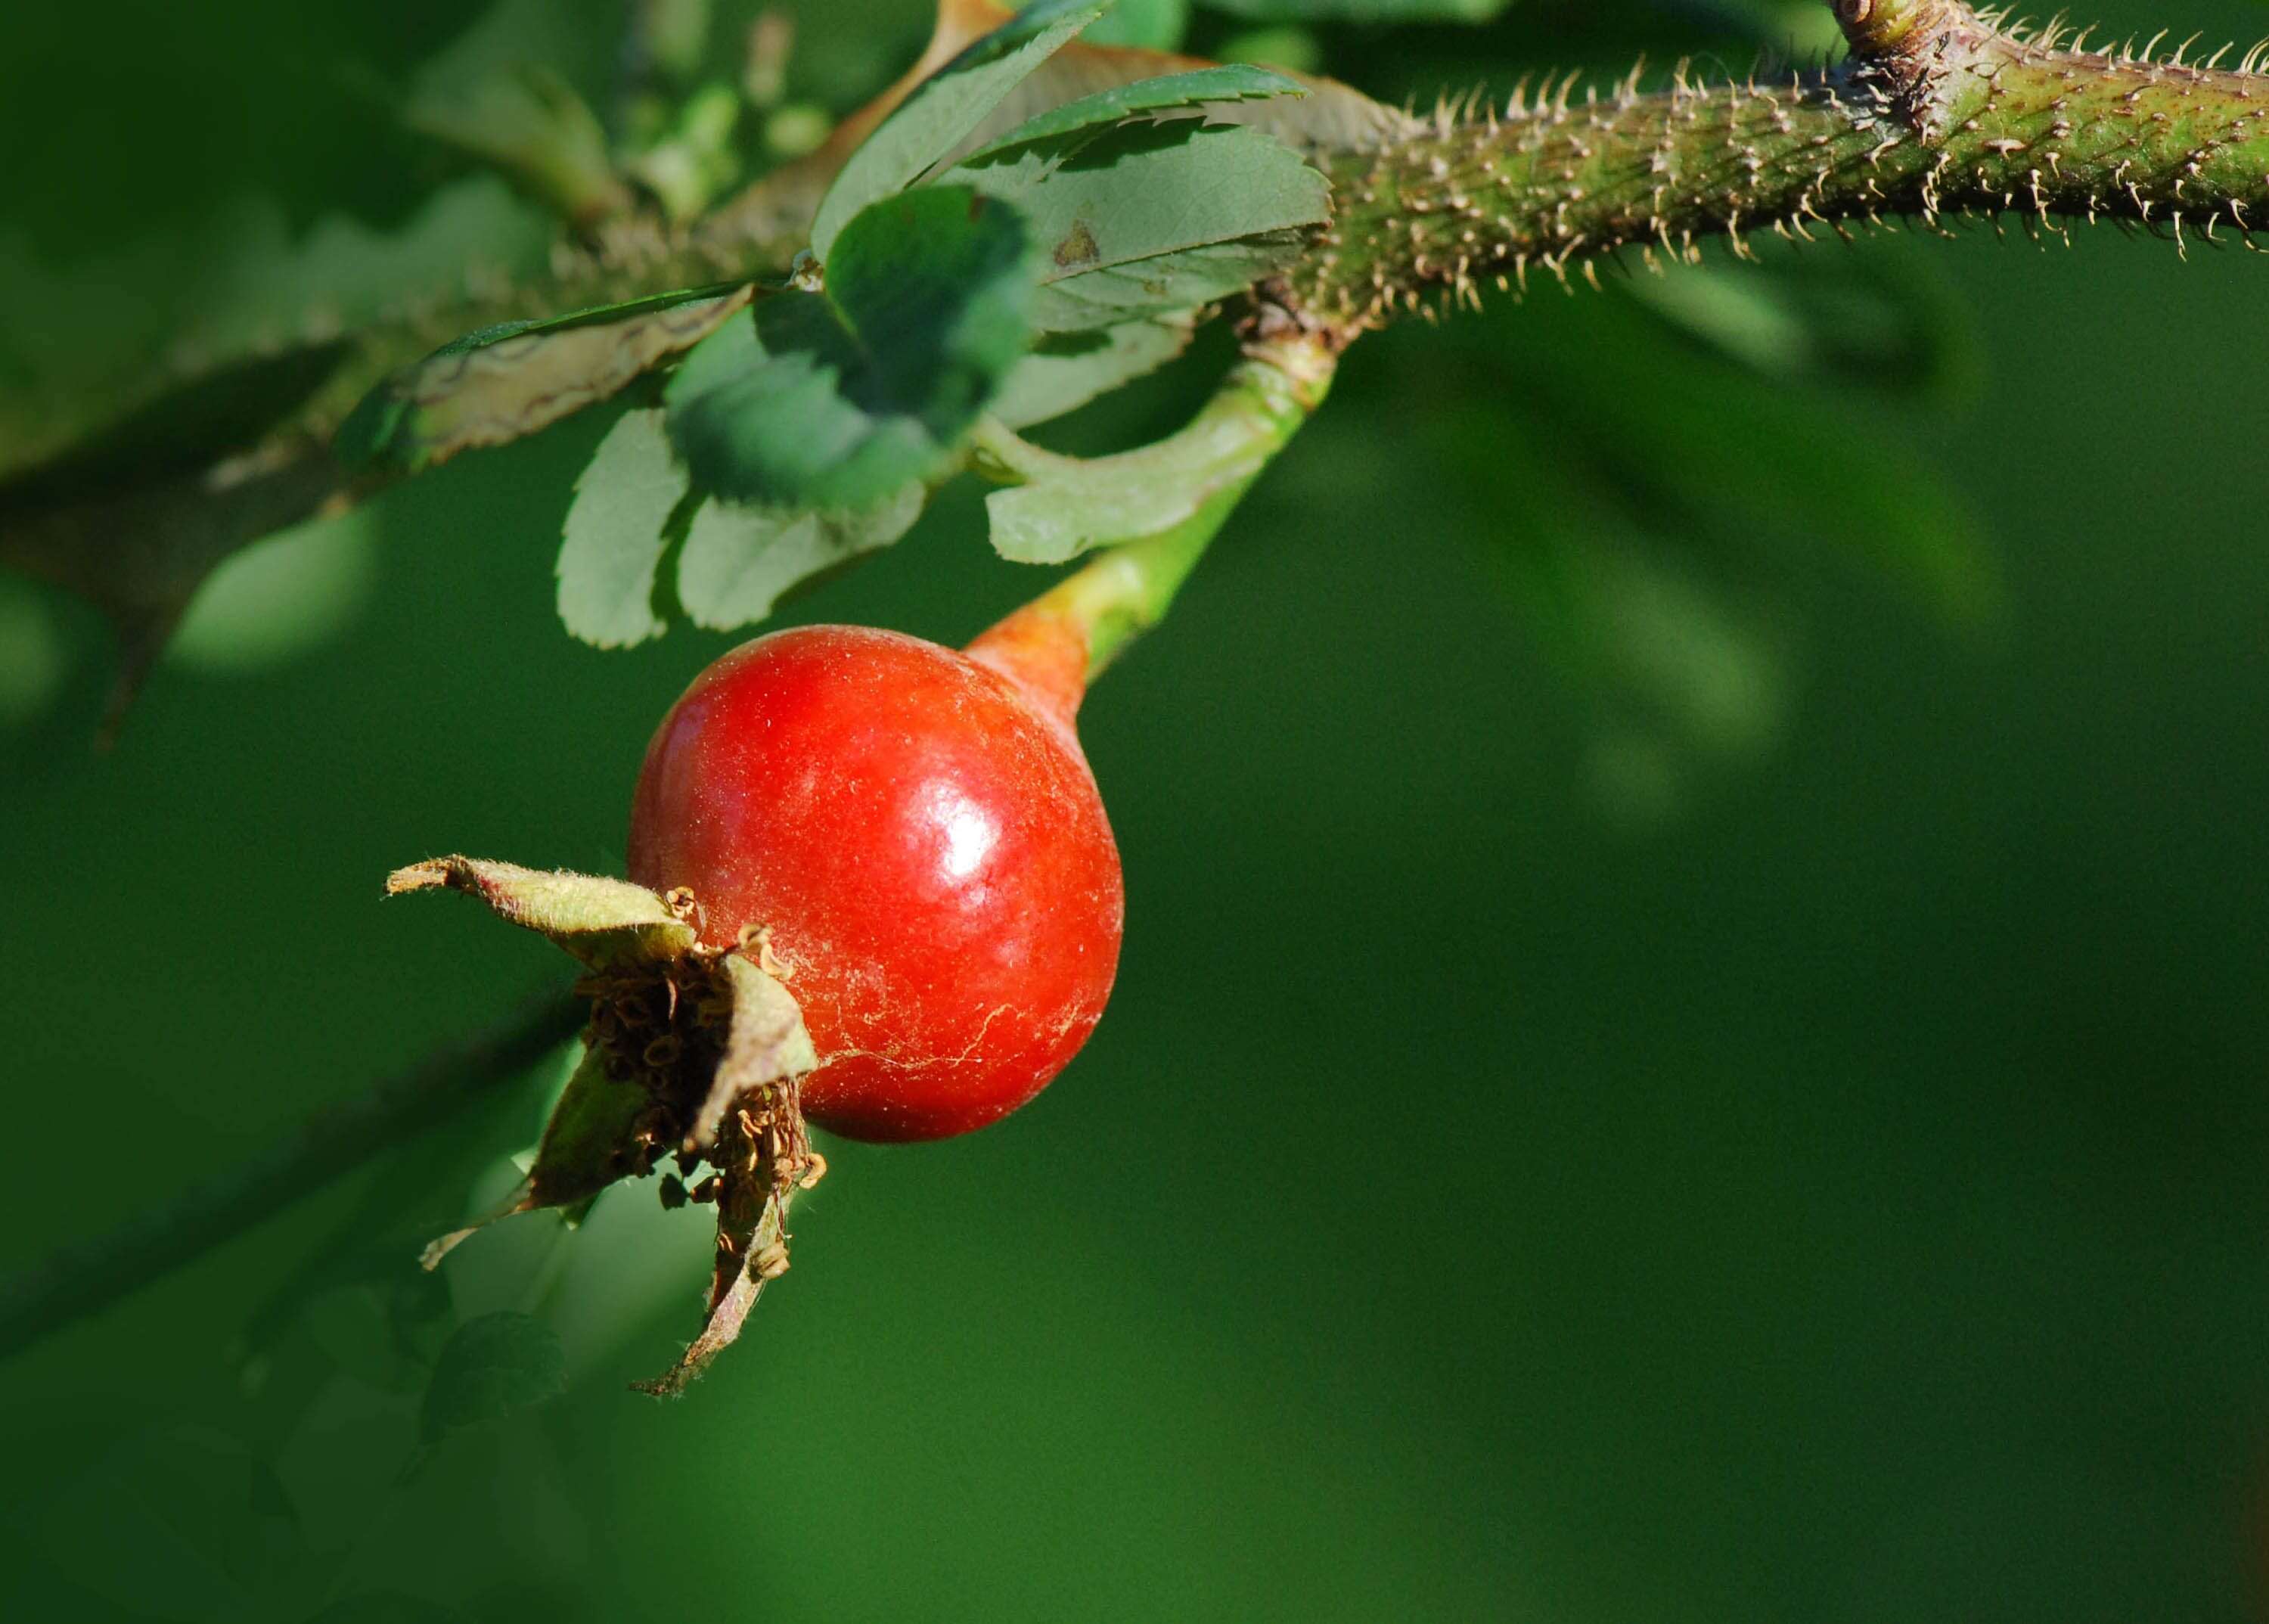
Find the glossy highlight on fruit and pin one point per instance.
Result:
(917, 833)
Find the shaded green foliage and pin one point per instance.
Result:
(492, 1367)
(180, 433)
(212, 1533)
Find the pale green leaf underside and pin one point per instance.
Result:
(837, 399)
(944, 108)
(1066, 371)
(737, 562)
(616, 532)
(1072, 506)
(1059, 506)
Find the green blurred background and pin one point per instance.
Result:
(1548, 1159)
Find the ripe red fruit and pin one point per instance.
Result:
(918, 832)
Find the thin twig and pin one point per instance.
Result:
(83, 1279)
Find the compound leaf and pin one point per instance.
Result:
(1144, 217)
(944, 108)
(837, 399)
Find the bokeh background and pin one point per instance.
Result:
(1743, 1103)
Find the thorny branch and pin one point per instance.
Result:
(1940, 110)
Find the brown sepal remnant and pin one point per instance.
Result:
(692, 1056)
(763, 1156)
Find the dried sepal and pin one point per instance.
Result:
(765, 1044)
(602, 922)
(693, 1053)
(763, 1155)
(591, 1141)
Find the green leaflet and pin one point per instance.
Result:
(837, 399)
(507, 382)
(738, 561)
(1141, 218)
(634, 500)
(1058, 507)
(1066, 370)
(944, 109)
(1150, 25)
(1191, 94)
(618, 531)
(1327, 115)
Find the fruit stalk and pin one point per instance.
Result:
(1063, 640)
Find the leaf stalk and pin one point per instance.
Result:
(1171, 500)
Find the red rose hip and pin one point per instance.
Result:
(918, 832)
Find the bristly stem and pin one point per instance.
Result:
(1939, 110)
